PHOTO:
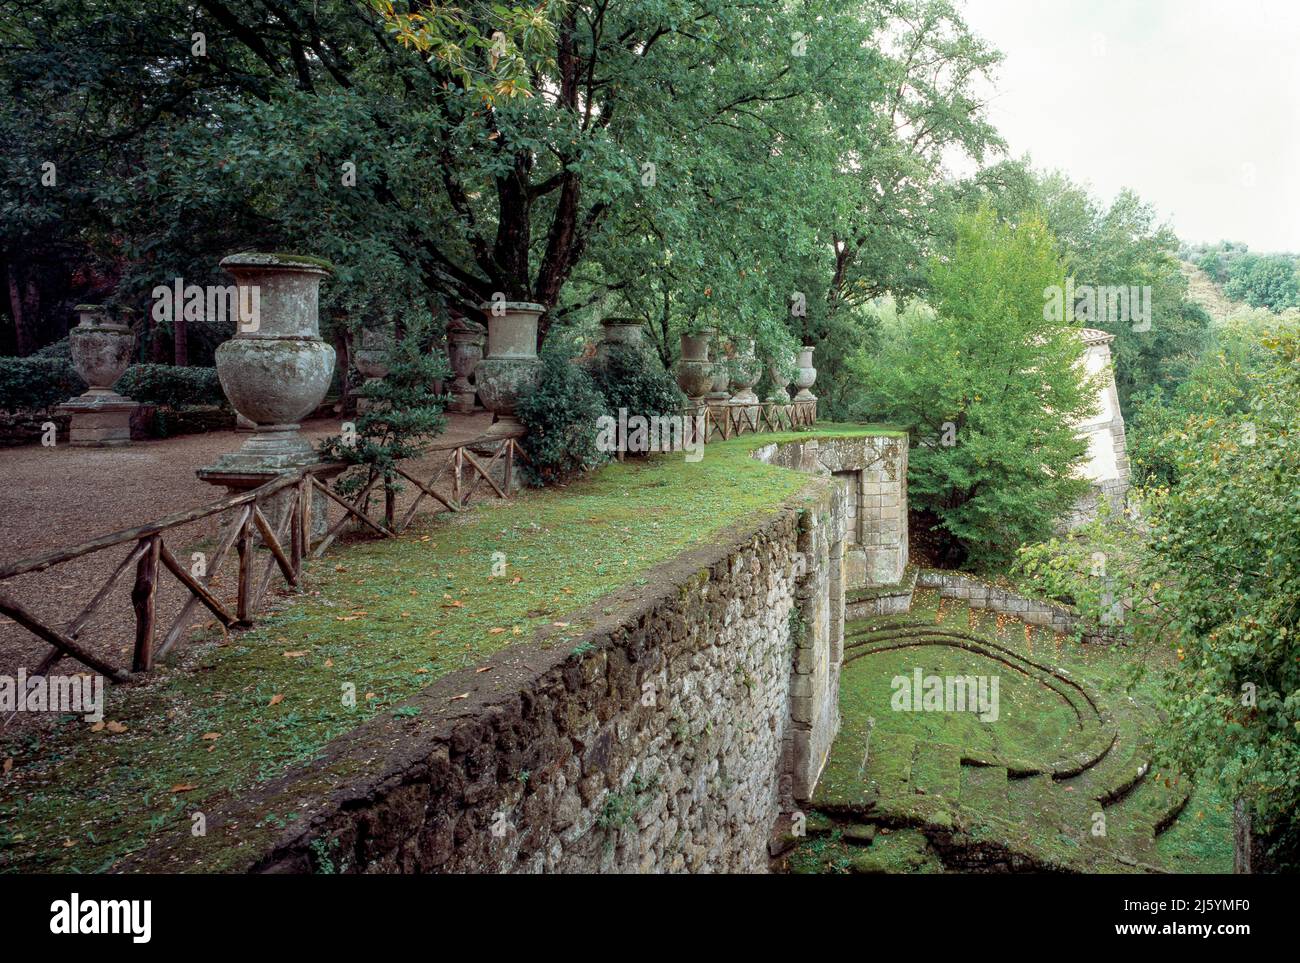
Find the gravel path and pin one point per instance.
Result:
(54, 498)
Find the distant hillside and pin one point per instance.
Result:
(1203, 291)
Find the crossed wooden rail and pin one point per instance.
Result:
(287, 543)
(723, 421)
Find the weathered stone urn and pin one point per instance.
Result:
(101, 352)
(276, 369)
(694, 370)
(721, 375)
(371, 360)
(618, 333)
(511, 366)
(781, 373)
(805, 375)
(745, 372)
(464, 352)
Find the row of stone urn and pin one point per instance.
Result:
(704, 380)
(276, 372)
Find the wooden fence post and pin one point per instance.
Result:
(143, 597)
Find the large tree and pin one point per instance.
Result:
(989, 388)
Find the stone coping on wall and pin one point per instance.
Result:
(375, 798)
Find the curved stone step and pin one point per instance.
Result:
(1096, 730)
(936, 770)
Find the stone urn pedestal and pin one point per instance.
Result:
(372, 361)
(274, 371)
(464, 352)
(511, 366)
(101, 352)
(695, 371)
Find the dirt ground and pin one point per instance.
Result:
(58, 497)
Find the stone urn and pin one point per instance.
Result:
(464, 352)
(719, 392)
(781, 373)
(101, 352)
(276, 369)
(805, 375)
(372, 360)
(745, 372)
(618, 333)
(511, 366)
(694, 370)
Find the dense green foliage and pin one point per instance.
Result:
(35, 384)
(403, 417)
(1261, 280)
(989, 389)
(165, 384)
(1213, 571)
(635, 380)
(561, 413)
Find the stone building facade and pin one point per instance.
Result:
(1108, 464)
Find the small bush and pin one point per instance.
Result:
(561, 414)
(633, 378)
(164, 384)
(35, 384)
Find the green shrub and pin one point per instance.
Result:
(403, 419)
(34, 384)
(561, 414)
(633, 378)
(164, 384)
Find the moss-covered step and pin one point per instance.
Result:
(984, 788)
(936, 770)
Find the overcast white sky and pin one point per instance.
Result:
(1194, 104)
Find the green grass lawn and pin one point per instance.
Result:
(383, 617)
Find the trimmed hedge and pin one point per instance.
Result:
(35, 384)
(164, 384)
(38, 383)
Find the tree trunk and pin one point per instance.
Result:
(1241, 836)
(180, 339)
(25, 304)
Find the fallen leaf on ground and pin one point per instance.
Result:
(276, 699)
(8, 765)
(115, 727)
(495, 631)
(212, 736)
(463, 695)
(184, 787)
(486, 668)
(297, 654)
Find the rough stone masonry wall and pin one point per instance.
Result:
(879, 462)
(983, 595)
(670, 737)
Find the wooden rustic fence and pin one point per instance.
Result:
(724, 421)
(247, 526)
(288, 499)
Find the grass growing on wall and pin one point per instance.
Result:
(384, 617)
